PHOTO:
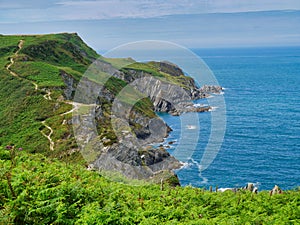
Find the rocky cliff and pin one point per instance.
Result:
(44, 73)
(136, 126)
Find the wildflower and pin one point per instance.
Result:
(8, 147)
(20, 149)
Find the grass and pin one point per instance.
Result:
(154, 70)
(47, 191)
(45, 75)
(35, 189)
(20, 113)
(119, 63)
(42, 59)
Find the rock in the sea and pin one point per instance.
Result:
(211, 89)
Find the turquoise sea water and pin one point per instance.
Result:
(262, 139)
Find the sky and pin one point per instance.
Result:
(105, 24)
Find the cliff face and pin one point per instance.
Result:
(44, 72)
(136, 126)
(123, 135)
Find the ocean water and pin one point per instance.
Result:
(262, 138)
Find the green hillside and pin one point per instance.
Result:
(32, 89)
(38, 190)
(43, 177)
(32, 94)
(31, 86)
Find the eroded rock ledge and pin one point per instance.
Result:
(126, 148)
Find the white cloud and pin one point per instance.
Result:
(212, 30)
(35, 10)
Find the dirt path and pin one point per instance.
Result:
(47, 96)
(75, 105)
(12, 59)
(49, 135)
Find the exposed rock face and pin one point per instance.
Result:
(168, 97)
(129, 153)
(211, 89)
(124, 148)
(135, 163)
(70, 85)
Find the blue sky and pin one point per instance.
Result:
(193, 23)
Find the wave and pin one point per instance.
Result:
(200, 105)
(185, 165)
(191, 127)
(213, 108)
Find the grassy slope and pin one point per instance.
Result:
(155, 71)
(22, 107)
(41, 60)
(46, 191)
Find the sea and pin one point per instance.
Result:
(260, 110)
(262, 139)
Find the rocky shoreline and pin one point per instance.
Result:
(128, 150)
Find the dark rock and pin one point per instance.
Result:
(211, 89)
(129, 154)
(70, 85)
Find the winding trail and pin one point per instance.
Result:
(12, 59)
(75, 107)
(47, 96)
(49, 135)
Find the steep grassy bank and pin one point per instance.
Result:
(35, 93)
(38, 190)
(39, 76)
(23, 106)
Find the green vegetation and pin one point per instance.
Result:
(45, 75)
(39, 66)
(154, 70)
(39, 186)
(145, 67)
(41, 60)
(39, 190)
(119, 63)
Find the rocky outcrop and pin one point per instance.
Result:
(211, 89)
(276, 190)
(125, 130)
(135, 163)
(70, 85)
(168, 97)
